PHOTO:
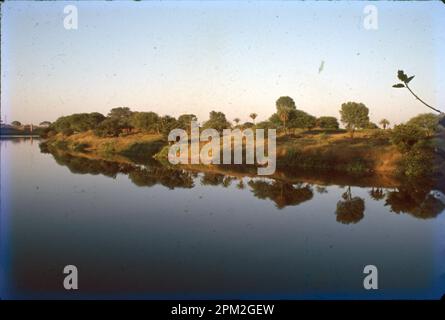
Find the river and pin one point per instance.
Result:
(138, 231)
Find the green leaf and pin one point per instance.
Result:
(409, 79)
(402, 76)
(399, 85)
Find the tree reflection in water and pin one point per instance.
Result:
(282, 193)
(417, 199)
(418, 202)
(350, 209)
(377, 194)
(216, 179)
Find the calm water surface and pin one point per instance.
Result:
(150, 232)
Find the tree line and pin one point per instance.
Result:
(353, 115)
(122, 120)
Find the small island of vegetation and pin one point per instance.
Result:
(303, 140)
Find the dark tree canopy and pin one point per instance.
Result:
(217, 120)
(185, 120)
(302, 120)
(146, 121)
(78, 122)
(328, 123)
(120, 112)
(428, 122)
(350, 209)
(281, 193)
(285, 105)
(406, 136)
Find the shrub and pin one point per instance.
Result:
(67, 131)
(418, 162)
(60, 144)
(328, 123)
(406, 136)
(428, 122)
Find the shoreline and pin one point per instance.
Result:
(20, 136)
(369, 153)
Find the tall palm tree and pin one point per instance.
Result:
(237, 120)
(384, 123)
(253, 116)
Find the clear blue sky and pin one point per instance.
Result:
(235, 57)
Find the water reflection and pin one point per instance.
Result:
(350, 209)
(422, 203)
(281, 193)
(377, 194)
(157, 231)
(420, 200)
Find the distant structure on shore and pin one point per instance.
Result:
(19, 129)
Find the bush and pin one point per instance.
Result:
(418, 162)
(78, 122)
(67, 132)
(380, 137)
(47, 133)
(428, 122)
(328, 123)
(60, 144)
(108, 127)
(406, 136)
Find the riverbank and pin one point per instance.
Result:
(368, 152)
(136, 146)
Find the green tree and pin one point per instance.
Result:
(185, 120)
(45, 123)
(109, 127)
(328, 123)
(384, 123)
(253, 116)
(78, 122)
(406, 136)
(167, 124)
(354, 115)
(146, 121)
(371, 125)
(120, 112)
(301, 119)
(427, 121)
(16, 123)
(275, 120)
(61, 123)
(285, 105)
(217, 121)
(123, 116)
